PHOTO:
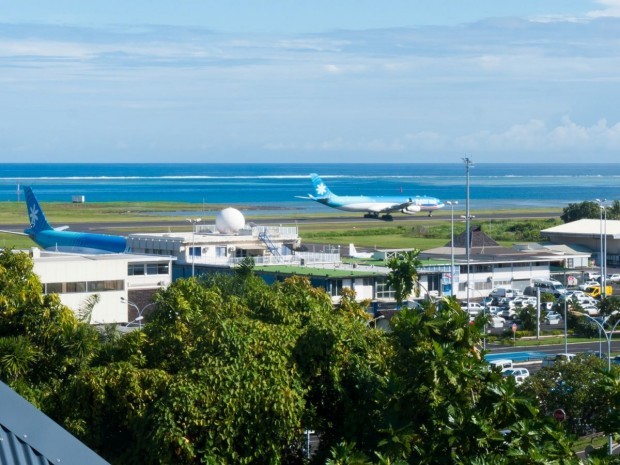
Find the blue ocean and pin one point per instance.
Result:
(271, 187)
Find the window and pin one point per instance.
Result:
(76, 287)
(151, 268)
(336, 287)
(196, 251)
(220, 251)
(53, 288)
(135, 269)
(111, 285)
(162, 268)
(383, 290)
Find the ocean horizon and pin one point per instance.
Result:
(492, 185)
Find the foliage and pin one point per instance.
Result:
(403, 277)
(527, 315)
(230, 370)
(572, 386)
(578, 211)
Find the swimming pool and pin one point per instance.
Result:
(522, 356)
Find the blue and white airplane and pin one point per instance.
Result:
(372, 206)
(60, 240)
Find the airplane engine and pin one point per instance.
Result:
(411, 210)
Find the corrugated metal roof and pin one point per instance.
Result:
(28, 436)
(586, 227)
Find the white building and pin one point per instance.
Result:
(76, 277)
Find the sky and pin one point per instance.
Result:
(322, 81)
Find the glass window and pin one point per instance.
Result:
(336, 287)
(54, 288)
(151, 268)
(76, 287)
(162, 268)
(101, 286)
(135, 269)
(195, 251)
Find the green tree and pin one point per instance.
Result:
(572, 386)
(578, 211)
(403, 277)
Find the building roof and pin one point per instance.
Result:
(585, 228)
(477, 238)
(28, 436)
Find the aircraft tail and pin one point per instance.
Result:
(35, 213)
(352, 250)
(321, 190)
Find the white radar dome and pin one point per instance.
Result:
(229, 221)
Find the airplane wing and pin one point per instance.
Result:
(387, 207)
(18, 233)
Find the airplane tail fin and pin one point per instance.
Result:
(352, 250)
(35, 213)
(321, 190)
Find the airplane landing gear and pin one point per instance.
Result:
(387, 218)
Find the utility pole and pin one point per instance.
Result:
(468, 162)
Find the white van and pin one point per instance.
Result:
(501, 292)
(550, 286)
(501, 364)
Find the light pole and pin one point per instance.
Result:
(193, 221)
(468, 162)
(608, 336)
(374, 320)
(603, 241)
(452, 204)
(140, 317)
(484, 314)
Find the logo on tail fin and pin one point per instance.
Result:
(38, 222)
(319, 186)
(33, 213)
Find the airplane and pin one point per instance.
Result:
(60, 240)
(355, 254)
(373, 206)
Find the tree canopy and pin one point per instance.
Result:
(230, 370)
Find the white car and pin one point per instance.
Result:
(497, 322)
(590, 309)
(553, 358)
(587, 284)
(614, 278)
(552, 318)
(519, 374)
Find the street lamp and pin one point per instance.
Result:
(484, 314)
(468, 163)
(452, 204)
(140, 317)
(603, 245)
(193, 221)
(374, 320)
(608, 336)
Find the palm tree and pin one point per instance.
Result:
(403, 277)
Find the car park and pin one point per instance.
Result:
(519, 374)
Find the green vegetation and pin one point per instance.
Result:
(230, 370)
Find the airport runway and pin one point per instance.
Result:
(111, 227)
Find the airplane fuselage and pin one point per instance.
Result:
(361, 203)
(78, 242)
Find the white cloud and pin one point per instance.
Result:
(611, 8)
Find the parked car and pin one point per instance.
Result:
(519, 374)
(614, 278)
(501, 364)
(552, 318)
(473, 308)
(590, 309)
(508, 313)
(588, 284)
(497, 321)
(557, 358)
